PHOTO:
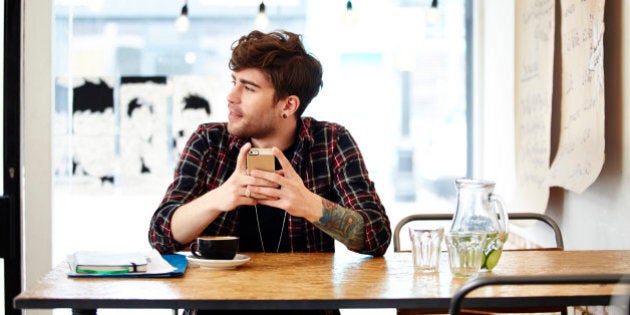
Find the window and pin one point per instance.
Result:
(394, 78)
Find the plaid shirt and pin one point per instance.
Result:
(328, 160)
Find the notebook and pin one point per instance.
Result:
(159, 266)
(107, 262)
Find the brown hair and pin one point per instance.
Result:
(282, 56)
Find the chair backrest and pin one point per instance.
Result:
(471, 285)
(559, 243)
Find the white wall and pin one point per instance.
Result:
(599, 217)
(1, 281)
(2, 120)
(494, 94)
(36, 142)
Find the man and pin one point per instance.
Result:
(320, 190)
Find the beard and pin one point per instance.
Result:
(259, 128)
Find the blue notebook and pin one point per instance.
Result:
(179, 262)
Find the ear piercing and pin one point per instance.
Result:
(284, 115)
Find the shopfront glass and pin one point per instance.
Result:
(130, 87)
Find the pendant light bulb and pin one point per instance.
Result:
(182, 23)
(433, 15)
(262, 20)
(350, 18)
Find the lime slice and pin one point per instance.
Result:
(493, 259)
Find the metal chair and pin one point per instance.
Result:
(460, 294)
(448, 216)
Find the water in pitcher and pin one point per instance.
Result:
(479, 209)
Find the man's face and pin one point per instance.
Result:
(252, 111)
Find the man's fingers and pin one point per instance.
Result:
(263, 193)
(241, 161)
(284, 162)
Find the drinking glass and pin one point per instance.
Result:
(425, 247)
(465, 252)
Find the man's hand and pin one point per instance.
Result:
(290, 194)
(192, 218)
(284, 189)
(233, 192)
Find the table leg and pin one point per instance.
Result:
(76, 311)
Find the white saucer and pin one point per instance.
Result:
(218, 264)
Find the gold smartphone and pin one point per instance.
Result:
(261, 159)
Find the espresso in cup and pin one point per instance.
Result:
(215, 247)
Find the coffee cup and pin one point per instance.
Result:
(215, 247)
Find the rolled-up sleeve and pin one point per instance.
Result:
(356, 192)
(187, 184)
(196, 173)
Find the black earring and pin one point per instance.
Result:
(284, 115)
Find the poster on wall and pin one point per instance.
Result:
(580, 155)
(93, 132)
(195, 99)
(143, 130)
(129, 132)
(534, 53)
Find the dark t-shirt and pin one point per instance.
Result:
(270, 224)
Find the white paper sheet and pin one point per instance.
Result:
(534, 27)
(580, 155)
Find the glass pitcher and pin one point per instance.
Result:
(480, 210)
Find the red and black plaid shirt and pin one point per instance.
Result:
(328, 160)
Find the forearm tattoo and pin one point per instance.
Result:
(342, 224)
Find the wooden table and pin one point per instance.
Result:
(328, 281)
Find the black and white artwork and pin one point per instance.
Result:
(143, 130)
(129, 133)
(194, 102)
(93, 131)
